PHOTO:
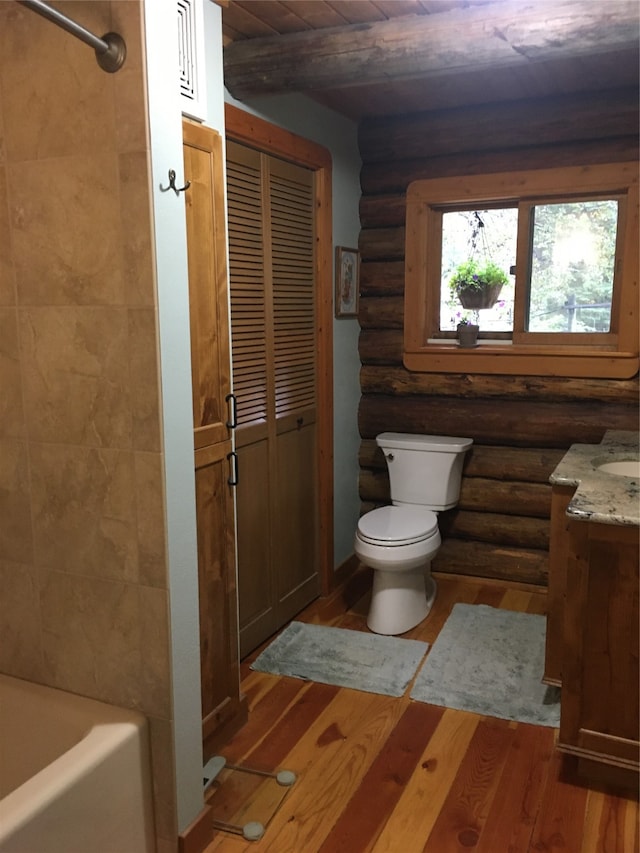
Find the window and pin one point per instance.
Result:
(564, 243)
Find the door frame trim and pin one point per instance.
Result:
(250, 130)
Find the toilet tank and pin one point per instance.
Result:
(424, 469)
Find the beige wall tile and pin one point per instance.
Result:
(131, 112)
(162, 761)
(108, 640)
(56, 101)
(150, 519)
(91, 637)
(11, 410)
(7, 272)
(2, 147)
(65, 220)
(21, 651)
(16, 542)
(136, 229)
(84, 510)
(155, 678)
(126, 19)
(76, 375)
(143, 368)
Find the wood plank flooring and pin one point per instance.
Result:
(389, 775)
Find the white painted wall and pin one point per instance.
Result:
(338, 134)
(175, 357)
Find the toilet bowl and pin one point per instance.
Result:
(399, 541)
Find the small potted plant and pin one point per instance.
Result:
(477, 286)
(467, 333)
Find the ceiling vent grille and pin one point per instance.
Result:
(191, 58)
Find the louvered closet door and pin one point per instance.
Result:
(292, 267)
(271, 242)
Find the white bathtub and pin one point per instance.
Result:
(74, 774)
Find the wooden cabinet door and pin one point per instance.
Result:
(208, 284)
(600, 708)
(223, 708)
(219, 666)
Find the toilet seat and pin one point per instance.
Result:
(394, 526)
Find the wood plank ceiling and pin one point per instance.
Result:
(386, 57)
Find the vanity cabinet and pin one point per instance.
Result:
(592, 641)
(223, 707)
(599, 704)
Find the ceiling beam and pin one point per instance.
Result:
(506, 34)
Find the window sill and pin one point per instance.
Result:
(504, 357)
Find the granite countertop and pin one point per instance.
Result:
(601, 497)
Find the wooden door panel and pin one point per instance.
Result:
(295, 545)
(600, 646)
(255, 583)
(610, 639)
(208, 284)
(217, 587)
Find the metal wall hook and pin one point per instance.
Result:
(172, 184)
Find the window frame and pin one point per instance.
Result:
(529, 353)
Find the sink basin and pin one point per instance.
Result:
(627, 468)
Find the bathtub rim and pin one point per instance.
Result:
(117, 727)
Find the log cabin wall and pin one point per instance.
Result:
(521, 426)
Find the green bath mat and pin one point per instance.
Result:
(361, 661)
(490, 661)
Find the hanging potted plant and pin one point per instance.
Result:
(467, 333)
(477, 286)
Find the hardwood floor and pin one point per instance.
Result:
(389, 775)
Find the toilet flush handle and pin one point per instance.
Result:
(390, 457)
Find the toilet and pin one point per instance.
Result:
(399, 541)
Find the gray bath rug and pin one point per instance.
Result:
(361, 661)
(490, 661)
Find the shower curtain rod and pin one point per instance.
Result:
(110, 50)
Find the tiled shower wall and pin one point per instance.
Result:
(82, 542)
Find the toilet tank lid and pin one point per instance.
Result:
(435, 443)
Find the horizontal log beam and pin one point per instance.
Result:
(481, 559)
(508, 497)
(512, 530)
(382, 244)
(386, 312)
(429, 46)
(395, 177)
(391, 379)
(527, 464)
(382, 278)
(381, 346)
(565, 119)
(496, 422)
(383, 211)
(383, 203)
(476, 494)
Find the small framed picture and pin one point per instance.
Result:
(347, 281)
